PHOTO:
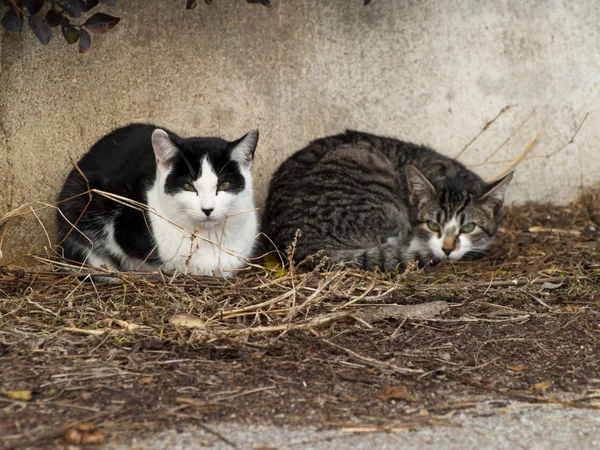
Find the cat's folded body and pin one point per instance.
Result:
(161, 201)
(378, 202)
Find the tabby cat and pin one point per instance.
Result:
(193, 211)
(377, 202)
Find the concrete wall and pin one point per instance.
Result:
(430, 71)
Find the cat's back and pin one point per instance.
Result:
(358, 143)
(127, 148)
(356, 149)
(121, 162)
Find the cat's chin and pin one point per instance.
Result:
(206, 225)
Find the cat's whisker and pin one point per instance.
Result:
(223, 168)
(189, 166)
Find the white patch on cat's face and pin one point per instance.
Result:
(450, 231)
(435, 245)
(207, 206)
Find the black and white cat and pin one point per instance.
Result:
(191, 209)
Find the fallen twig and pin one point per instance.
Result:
(485, 127)
(518, 159)
(374, 362)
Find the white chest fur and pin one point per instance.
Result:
(218, 250)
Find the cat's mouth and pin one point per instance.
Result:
(207, 222)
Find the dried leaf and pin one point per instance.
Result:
(94, 438)
(152, 344)
(542, 386)
(517, 368)
(190, 4)
(12, 21)
(101, 23)
(70, 33)
(7, 428)
(40, 28)
(84, 434)
(86, 5)
(71, 7)
(186, 320)
(72, 436)
(550, 286)
(395, 393)
(54, 18)
(32, 6)
(85, 41)
(554, 270)
(19, 395)
(123, 324)
(423, 310)
(146, 380)
(272, 263)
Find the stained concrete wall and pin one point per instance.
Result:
(429, 71)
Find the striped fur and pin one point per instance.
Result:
(367, 200)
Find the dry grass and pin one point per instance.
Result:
(307, 348)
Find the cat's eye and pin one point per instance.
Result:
(224, 186)
(433, 226)
(468, 228)
(189, 187)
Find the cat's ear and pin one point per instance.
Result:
(496, 190)
(243, 149)
(164, 149)
(419, 186)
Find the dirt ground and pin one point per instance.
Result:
(109, 362)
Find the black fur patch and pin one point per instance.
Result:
(188, 163)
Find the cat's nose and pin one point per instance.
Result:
(207, 211)
(446, 250)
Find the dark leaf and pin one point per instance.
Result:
(190, 4)
(54, 18)
(86, 5)
(208, 2)
(12, 21)
(109, 2)
(40, 28)
(267, 3)
(367, 2)
(33, 6)
(72, 7)
(101, 23)
(85, 41)
(70, 33)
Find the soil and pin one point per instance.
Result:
(107, 362)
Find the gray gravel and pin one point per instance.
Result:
(518, 426)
